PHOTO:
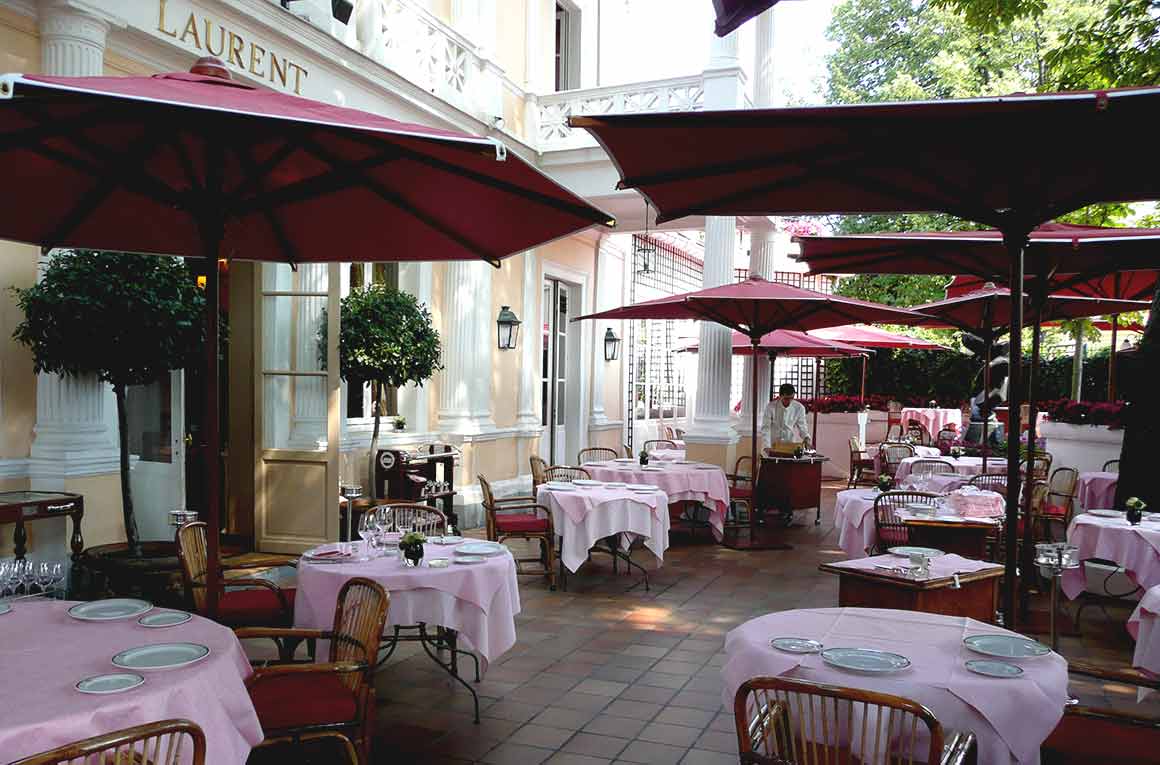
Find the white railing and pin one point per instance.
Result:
(677, 94)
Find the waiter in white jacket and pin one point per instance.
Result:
(785, 419)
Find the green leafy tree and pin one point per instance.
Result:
(385, 338)
(128, 319)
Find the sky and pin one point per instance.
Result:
(658, 39)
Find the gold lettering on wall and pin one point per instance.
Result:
(203, 34)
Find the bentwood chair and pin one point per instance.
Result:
(741, 484)
(863, 468)
(296, 700)
(1059, 504)
(539, 472)
(412, 517)
(658, 443)
(924, 468)
(893, 453)
(596, 454)
(947, 435)
(249, 602)
(996, 482)
(330, 747)
(917, 433)
(892, 530)
(1040, 465)
(781, 721)
(1111, 466)
(1094, 735)
(521, 518)
(566, 473)
(165, 742)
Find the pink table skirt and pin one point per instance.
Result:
(583, 516)
(1097, 490)
(667, 455)
(854, 518)
(1010, 718)
(1143, 626)
(44, 652)
(479, 601)
(942, 567)
(679, 482)
(1135, 548)
(933, 420)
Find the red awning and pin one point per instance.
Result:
(989, 308)
(733, 13)
(875, 337)
(787, 342)
(1122, 285)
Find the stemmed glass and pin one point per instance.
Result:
(7, 575)
(366, 528)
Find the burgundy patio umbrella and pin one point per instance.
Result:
(197, 165)
(755, 307)
(875, 337)
(733, 13)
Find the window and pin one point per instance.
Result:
(567, 46)
(358, 392)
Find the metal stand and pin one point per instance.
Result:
(444, 639)
(1053, 558)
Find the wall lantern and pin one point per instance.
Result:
(611, 345)
(507, 326)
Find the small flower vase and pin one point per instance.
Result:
(412, 554)
(1135, 515)
(644, 459)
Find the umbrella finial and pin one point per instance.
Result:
(210, 66)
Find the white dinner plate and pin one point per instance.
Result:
(616, 484)
(868, 660)
(687, 462)
(480, 548)
(109, 609)
(1006, 646)
(587, 482)
(652, 468)
(559, 486)
(114, 682)
(624, 459)
(159, 619)
(906, 551)
(445, 540)
(161, 656)
(1106, 513)
(869, 495)
(640, 487)
(644, 491)
(993, 668)
(470, 559)
(796, 645)
(5, 608)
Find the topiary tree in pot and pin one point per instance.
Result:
(128, 319)
(385, 338)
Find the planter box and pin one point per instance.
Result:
(833, 438)
(1083, 447)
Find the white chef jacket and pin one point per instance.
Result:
(784, 423)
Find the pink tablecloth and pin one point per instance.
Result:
(679, 482)
(667, 455)
(1144, 627)
(964, 466)
(930, 452)
(479, 601)
(933, 420)
(44, 652)
(1096, 490)
(940, 568)
(854, 518)
(1136, 548)
(585, 515)
(1010, 718)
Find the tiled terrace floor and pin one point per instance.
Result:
(607, 672)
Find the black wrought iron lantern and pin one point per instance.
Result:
(507, 326)
(611, 345)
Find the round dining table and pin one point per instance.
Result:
(933, 419)
(44, 653)
(681, 481)
(584, 515)
(858, 531)
(1144, 626)
(1010, 717)
(964, 466)
(1135, 548)
(1096, 489)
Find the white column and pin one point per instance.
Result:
(308, 422)
(414, 400)
(761, 258)
(75, 431)
(764, 94)
(528, 417)
(469, 337)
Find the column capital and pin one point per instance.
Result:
(72, 38)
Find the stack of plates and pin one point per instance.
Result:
(109, 609)
(480, 548)
(559, 486)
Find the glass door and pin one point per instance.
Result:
(155, 417)
(554, 371)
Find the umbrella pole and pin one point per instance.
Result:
(862, 398)
(1028, 558)
(986, 391)
(211, 235)
(1015, 240)
(817, 380)
(753, 416)
(1112, 359)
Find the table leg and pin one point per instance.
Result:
(20, 539)
(77, 541)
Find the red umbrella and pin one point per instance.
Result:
(1121, 285)
(788, 342)
(198, 165)
(875, 337)
(733, 13)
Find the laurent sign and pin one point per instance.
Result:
(215, 39)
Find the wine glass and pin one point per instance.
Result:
(43, 576)
(7, 572)
(366, 527)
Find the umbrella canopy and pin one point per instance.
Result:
(138, 164)
(957, 156)
(1121, 285)
(733, 13)
(1053, 249)
(787, 342)
(875, 337)
(986, 311)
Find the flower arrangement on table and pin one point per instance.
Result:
(643, 457)
(885, 482)
(1135, 507)
(411, 545)
(957, 451)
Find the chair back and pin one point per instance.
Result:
(359, 618)
(917, 433)
(596, 454)
(1111, 466)
(165, 742)
(780, 720)
(855, 447)
(421, 518)
(191, 552)
(658, 443)
(1061, 487)
(539, 472)
(894, 431)
(742, 472)
(892, 455)
(668, 433)
(947, 434)
(566, 473)
(489, 505)
(892, 530)
(928, 467)
(1040, 465)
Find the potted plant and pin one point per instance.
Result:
(885, 482)
(400, 423)
(643, 457)
(387, 339)
(126, 319)
(411, 545)
(1135, 509)
(956, 451)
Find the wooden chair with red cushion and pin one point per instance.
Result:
(521, 518)
(1096, 735)
(863, 467)
(249, 602)
(295, 700)
(892, 530)
(165, 742)
(1059, 505)
(741, 484)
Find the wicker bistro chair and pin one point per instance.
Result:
(924, 468)
(781, 721)
(990, 481)
(566, 473)
(596, 454)
(539, 472)
(249, 602)
(413, 517)
(1059, 504)
(917, 433)
(521, 518)
(893, 453)
(294, 700)
(165, 742)
(741, 485)
(658, 443)
(1040, 465)
(1111, 466)
(947, 434)
(863, 468)
(892, 530)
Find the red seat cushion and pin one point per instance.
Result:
(524, 523)
(1081, 740)
(305, 698)
(740, 492)
(1059, 511)
(254, 607)
(892, 535)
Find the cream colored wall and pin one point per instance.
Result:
(576, 253)
(507, 289)
(19, 43)
(511, 37)
(17, 379)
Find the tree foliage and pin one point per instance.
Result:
(385, 336)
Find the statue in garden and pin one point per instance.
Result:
(984, 401)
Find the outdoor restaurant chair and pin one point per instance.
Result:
(521, 518)
(917, 433)
(996, 482)
(249, 602)
(406, 517)
(1040, 467)
(1059, 505)
(329, 746)
(539, 472)
(893, 417)
(893, 453)
(658, 443)
(1111, 466)
(165, 742)
(1091, 735)
(863, 469)
(892, 530)
(596, 454)
(946, 437)
(294, 700)
(928, 467)
(783, 721)
(741, 484)
(566, 473)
